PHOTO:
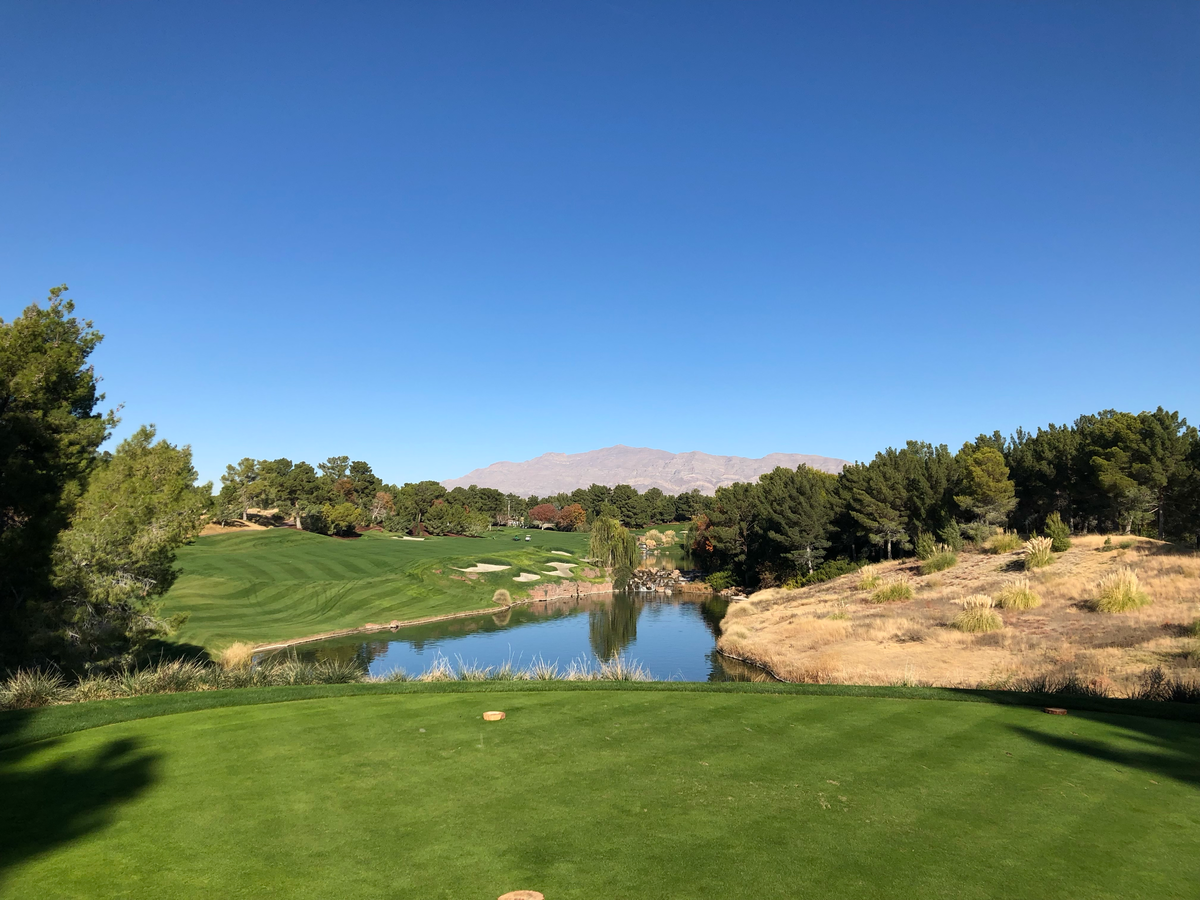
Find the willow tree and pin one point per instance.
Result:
(612, 545)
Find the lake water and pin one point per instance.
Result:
(673, 638)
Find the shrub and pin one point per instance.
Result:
(1058, 532)
(826, 571)
(720, 581)
(1037, 552)
(237, 655)
(925, 546)
(1017, 594)
(1106, 546)
(951, 535)
(977, 532)
(1119, 591)
(941, 560)
(28, 688)
(868, 578)
(978, 615)
(894, 590)
(1005, 542)
(1125, 545)
(502, 596)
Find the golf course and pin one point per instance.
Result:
(279, 584)
(595, 791)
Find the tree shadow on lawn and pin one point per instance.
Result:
(1169, 749)
(61, 801)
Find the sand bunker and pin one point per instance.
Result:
(562, 570)
(560, 552)
(407, 538)
(527, 576)
(483, 567)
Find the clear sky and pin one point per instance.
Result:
(437, 235)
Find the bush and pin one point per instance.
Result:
(977, 532)
(1005, 542)
(826, 571)
(29, 688)
(720, 581)
(941, 560)
(1037, 552)
(1119, 592)
(1107, 546)
(978, 615)
(868, 578)
(1058, 532)
(893, 591)
(925, 546)
(1017, 594)
(951, 536)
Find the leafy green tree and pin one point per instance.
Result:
(629, 506)
(1058, 532)
(116, 560)
(875, 498)
(342, 518)
(242, 480)
(726, 537)
(49, 433)
(415, 500)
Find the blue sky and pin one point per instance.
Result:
(438, 235)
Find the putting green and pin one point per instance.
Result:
(602, 794)
(262, 586)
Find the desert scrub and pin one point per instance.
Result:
(1005, 542)
(1017, 594)
(1119, 592)
(978, 615)
(893, 590)
(28, 688)
(868, 578)
(1058, 532)
(942, 559)
(1038, 552)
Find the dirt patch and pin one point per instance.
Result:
(240, 525)
(828, 632)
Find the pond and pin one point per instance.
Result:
(673, 638)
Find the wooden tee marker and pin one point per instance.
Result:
(1056, 710)
(495, 716)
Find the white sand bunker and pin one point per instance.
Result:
(484, 567)
(562, 570)
(560, 552)
(407, 538)
(527, 576)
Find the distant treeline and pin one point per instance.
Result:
(1108, 472)
(339, 496)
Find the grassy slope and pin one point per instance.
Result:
(262, 586)
(605, 793)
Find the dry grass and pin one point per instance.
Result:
(1061, 639)
(238, 655)
(868, 578)
(1005, 542)
(895, 590)
(503, 597)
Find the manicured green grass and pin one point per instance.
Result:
(262, 586)
(662, 791)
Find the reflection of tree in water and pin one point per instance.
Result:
(613, 627)
(713, 611)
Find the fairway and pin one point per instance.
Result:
(263, 586)
(593, 794)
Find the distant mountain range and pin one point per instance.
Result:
(640, 467)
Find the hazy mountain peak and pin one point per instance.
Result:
(641, 467)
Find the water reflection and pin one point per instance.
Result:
(673, 637)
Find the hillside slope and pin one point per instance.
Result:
(640, 467)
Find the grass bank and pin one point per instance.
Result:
(280, 584)
(665, 791)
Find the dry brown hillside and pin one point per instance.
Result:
(832, 632)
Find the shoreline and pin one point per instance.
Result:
(605, 587)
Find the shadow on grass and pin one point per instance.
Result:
(50, 804)
(1168, 749)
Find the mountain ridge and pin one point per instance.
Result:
(640, 467)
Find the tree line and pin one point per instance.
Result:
(1108, 472)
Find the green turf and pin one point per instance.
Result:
(663, 793)
(272, 585)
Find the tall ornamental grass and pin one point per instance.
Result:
(1038, 552)
(894, 590)
(1120, 592)
(978, 615)
(943, 558)
(1017, 594)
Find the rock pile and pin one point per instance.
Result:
(659, 581)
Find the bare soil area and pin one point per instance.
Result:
(832, 632)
